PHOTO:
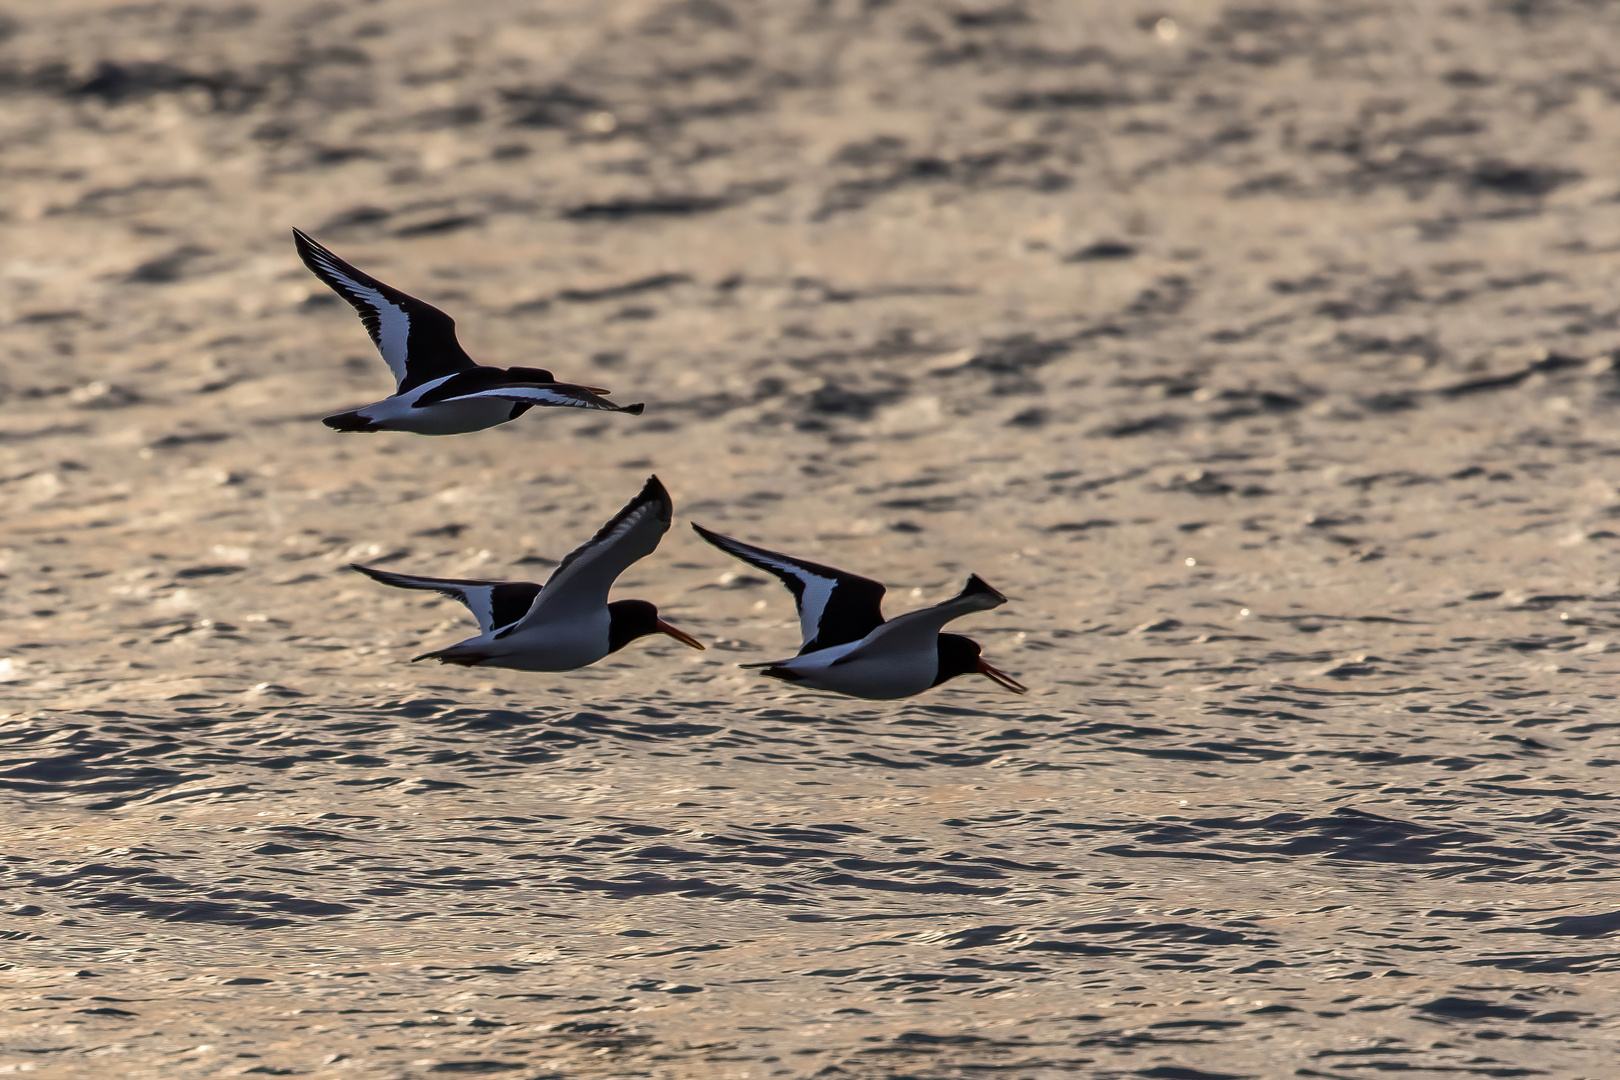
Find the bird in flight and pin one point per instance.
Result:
(440, 391)
(849, 648)
(567, 623)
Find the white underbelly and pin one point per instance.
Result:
(879, 679)
(445, 418)
(552, 646)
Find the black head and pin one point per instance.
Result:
(959, 655)
(631, 619)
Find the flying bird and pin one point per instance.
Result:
(567, 623)
(441, 390)
(849, 648)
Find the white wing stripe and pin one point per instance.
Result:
(481, 602)
(812, 600)
(817, 591)
(411, 397)
(821, 658)
(393, 322)
(525, 393)
(478, 599)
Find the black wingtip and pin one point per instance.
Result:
(312, 252)
(977, 586)
(381, 576)
(719, 540)
(634, 410)
(653, 491)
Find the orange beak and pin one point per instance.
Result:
(996, 675)
(679, 635)
(604, 391)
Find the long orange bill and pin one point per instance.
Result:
(995, 674)
(599, 390)
(679, 635)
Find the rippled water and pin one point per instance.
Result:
(932, 890)
(1264, 353)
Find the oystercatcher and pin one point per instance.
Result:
(569, 622)
(441, 390)
(848, 646)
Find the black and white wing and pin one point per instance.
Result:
(581, 582)
(489, 382)
(917, 630)
(493, 603)
(416, 339)
(557, 394)
(835, 607)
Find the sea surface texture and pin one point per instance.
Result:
(1263, 353)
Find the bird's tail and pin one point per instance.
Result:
(463, 655)
(775, 670)
(349, 421)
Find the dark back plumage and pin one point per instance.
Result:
(417, 340)
(835, 606)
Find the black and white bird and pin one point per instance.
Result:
(567, 623)
(849, 648)
(441, 390)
